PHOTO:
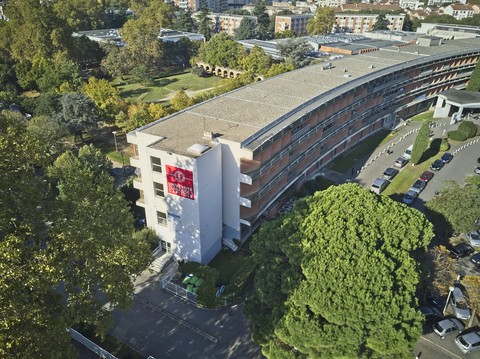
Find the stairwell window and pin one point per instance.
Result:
(159, 191)
(156, 164)
(162, 218)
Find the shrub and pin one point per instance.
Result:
(206, 292)
(468, 128)
(444, 146)
(457, 136)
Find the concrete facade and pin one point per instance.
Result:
(239, 156)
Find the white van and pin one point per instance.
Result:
(408, 152)
(379, 185)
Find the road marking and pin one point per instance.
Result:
(445, 350)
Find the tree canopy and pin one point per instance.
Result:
(336, 277)
(460, 206)
(247, 30)
(67, 243)
(323, 21)
(421, 143)
(221, 50)
(474, 81)
(381, 23)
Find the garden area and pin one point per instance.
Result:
(163, 88)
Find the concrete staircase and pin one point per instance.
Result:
(230, 244)
(161, 258)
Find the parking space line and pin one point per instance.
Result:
(445, 350)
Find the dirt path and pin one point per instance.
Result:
(190, 93)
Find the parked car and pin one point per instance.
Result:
(408, 152)
(379, 185)
(418, 186)
(447, 327)
(459, 304)
(446, 157)
(430, 313)
(426, 176)
(461, 250)
(468, 342)
(477, 170)
(475, 259)
(400, 162)
(410, 197)
(389, 173)
(437, 165)
(474, 238)
(437, 300)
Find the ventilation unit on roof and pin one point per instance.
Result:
(327, 66)
(197, 149)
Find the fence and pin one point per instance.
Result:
(176, 289)
(102, 353)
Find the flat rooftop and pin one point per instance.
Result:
(254, 113)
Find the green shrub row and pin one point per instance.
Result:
(466, 130)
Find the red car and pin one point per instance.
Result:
(426, 176)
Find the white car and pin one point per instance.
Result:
(447, 327)
(469, 342)
(474, 238)
(459, 304)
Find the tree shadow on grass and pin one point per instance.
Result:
(432, 150)
(164, 81)
(134, 93)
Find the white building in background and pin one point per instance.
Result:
(215, 171)
(459, 11)
(411, 4)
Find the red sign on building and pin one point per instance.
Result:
(180, 182)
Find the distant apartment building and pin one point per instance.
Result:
(195, 5)
(353, 23)
(459, 11)
(331, 3)
(296, 23)
(411, 4)
(367, 7)
(440, 2)
(229, 23)
(360, 23)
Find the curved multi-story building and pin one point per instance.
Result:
(214, 170)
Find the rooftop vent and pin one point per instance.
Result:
(197, 149)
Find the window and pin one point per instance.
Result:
(156, 164)
(158, 187)
(162, 218)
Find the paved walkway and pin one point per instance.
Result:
(164, 326)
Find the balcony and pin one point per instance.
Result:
(141, 202)
(135, 161)
(137, 183)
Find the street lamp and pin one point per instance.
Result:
(115, 139)
(448, 299)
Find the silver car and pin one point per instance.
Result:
(469, 342)
(474, 238)
(459, 304)
(447, 327)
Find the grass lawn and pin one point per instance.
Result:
(428, 115)
(165, 86)
(104, 141)
(346, 161)
(227, 263)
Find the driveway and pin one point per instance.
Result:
(163, 326)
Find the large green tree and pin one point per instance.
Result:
(203, 23)
(221, 50)
(459, 206)
(336, 278)
(184, 21)
(64, 252)
(474, 81)
(381, 23)
(263, 20)
(323, 21)
(248, 29)
(421, 143)
(80, 14)
(257, 61)
(294, 50)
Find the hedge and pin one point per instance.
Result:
(457, 136)
(468, 128)
(206, 292)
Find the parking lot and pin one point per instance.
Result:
(430, 345)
